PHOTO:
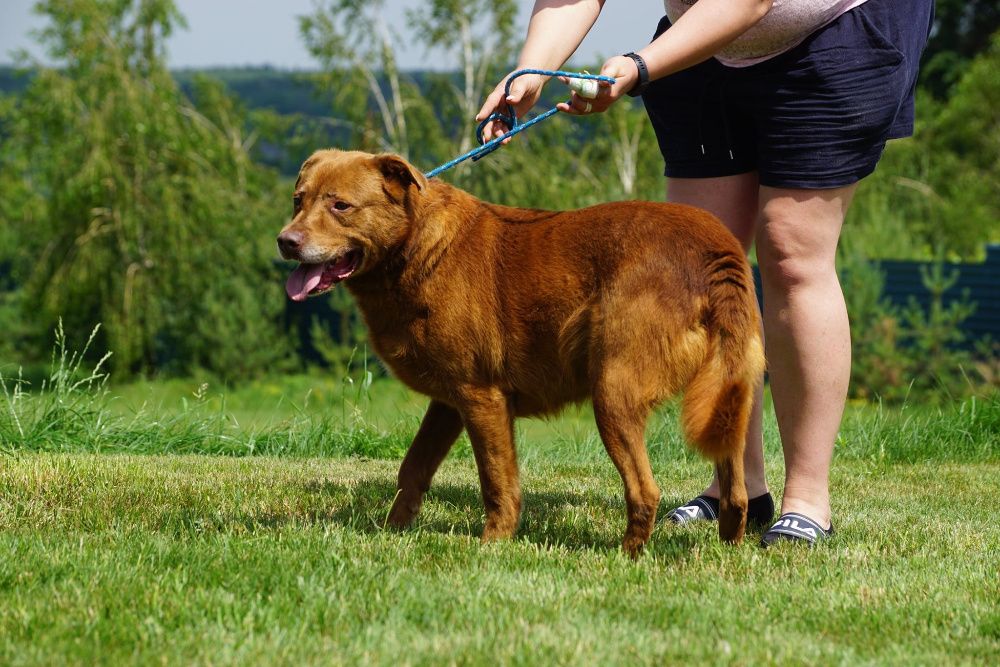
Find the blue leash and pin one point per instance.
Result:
(510, 119)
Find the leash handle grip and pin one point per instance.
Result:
(510, 118)
(585, 88)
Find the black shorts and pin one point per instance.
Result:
(817, 116)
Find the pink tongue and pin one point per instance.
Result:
(303, 280)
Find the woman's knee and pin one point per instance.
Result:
(786, 265)
(797, 239)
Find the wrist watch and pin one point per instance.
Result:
(643, 82)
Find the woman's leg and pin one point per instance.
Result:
(734, 200)
(807, 335)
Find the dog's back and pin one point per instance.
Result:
(540, 302)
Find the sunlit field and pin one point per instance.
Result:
(186, 480)
(174, 521)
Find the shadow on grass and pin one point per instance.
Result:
(550, 518)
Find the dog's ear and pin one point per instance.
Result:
(306, 166)
(399, 175)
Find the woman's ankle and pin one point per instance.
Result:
(755, 489)
(816, 506)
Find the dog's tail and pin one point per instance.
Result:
(718, 400)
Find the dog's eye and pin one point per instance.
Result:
(341, 206)
(296, 202)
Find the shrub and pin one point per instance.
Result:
(910, 352)
(141, 209)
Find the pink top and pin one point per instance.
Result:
(784, 27)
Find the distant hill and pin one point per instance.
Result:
(292, 94)
(13, 80)
(283, 91)
(259, 87)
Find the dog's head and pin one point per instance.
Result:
(350, 209)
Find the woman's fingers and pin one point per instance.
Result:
(492, 101)
(576, 105)
(607, 92)
(604, 90)
(579, 106)
(494, 128)
(524, 92)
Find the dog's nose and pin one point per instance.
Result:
(289, 243)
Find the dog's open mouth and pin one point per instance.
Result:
(312, 279)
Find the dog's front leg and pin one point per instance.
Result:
(489, 421)
(438, 431)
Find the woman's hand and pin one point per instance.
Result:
(524, 92)
(625, 74)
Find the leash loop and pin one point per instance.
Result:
(510, 118)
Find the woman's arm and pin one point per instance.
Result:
(696, 36)
(555, 31)
(557, 28)
(700, 33)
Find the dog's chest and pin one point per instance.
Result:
(407, 347)
(402, 341)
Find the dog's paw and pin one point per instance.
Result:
(732, 526)
(402, 514)
(498, 530)
(633, 546)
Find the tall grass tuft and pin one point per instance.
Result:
(71, 412)
(67, 403)
(967, 430)
(74, 411)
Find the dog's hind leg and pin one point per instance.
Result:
(621, 420)
(715, 420)
(489, 420)
(438, 431)
(732, 498)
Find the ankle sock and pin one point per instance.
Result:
(760, 510)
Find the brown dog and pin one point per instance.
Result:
(496, 312)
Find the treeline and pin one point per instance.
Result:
(148, 201)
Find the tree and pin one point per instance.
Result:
(146, 213)
(355, 47)
(962, 30)
(937, 192)
(480, 35)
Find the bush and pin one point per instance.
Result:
(136, 207)
(911, 353)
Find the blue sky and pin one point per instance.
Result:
(259, 32)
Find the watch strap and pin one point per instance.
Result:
(643, 81)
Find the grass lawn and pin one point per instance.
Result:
(115, 549)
